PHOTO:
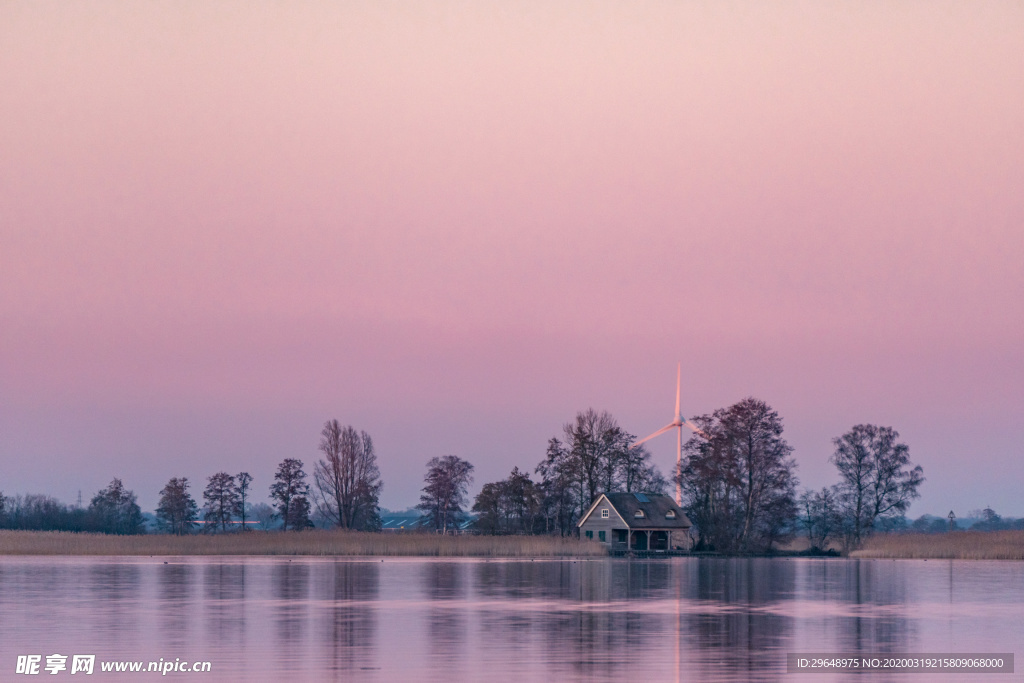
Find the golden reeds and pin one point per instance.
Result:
(958, 545)
(313, 542)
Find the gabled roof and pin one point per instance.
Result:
(654, 506)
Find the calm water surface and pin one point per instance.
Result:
(469, 620)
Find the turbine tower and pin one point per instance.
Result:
(677, 423)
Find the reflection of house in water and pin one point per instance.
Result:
(636, 521)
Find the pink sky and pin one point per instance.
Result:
(455, 224)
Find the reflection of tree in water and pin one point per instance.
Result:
(354, 587)
(732, 636)
(446, 626)
(224, 593)
(875, 589)
(175, 580)
(597, 636)
(291, 588)
(115, 587)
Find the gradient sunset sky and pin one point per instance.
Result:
(455, 224)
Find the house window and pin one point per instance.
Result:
(600, 536)
(671, 514)
(590, 534)
(604, 513)
(639, 514)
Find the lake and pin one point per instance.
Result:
(417, 619)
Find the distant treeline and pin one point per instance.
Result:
(737, 478)
(976, 520)
(112, 510)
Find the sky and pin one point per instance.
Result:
(455, 224)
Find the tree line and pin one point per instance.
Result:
(345, 491)
(737, 477)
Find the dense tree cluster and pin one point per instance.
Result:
(593, 456)
(290, 493)
(113, 510)
(444, 493)
(738, 479)
(510, 506)
(177, 511)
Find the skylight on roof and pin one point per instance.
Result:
(642, 498)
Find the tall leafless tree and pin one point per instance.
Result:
(243, 480)
(877, 478)
(444, 494)
(347, 478)
(738, 479)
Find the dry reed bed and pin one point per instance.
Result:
(958, 545)
(314, 542)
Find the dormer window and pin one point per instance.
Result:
(639, 514)
(671, 514)
(604, 513)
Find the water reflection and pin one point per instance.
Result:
(445, 625)
(326, 619)
(176, 580)
(351, 628)
(291, 588)
(224, 593)
(113, 589)
(746, 642)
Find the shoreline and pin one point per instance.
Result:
(957, 545)
(317, 542)
(953, 545)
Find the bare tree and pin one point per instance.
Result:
(739, 481)
(877, 479)
(820, 516)
(592, 457)
(220, 501)
(444, 495)
(562, 490)
(242, 482)
(177, 510)
(291, 492)
(347, 478)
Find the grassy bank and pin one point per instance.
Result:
(295, 543)
(958, 545)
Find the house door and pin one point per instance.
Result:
(639, 540)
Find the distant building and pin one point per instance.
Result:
(402, 523)
(636, 521)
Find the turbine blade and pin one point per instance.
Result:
(696, 429)
(679, 369)
(657, 433)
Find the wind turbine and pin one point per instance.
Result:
(677, 423)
